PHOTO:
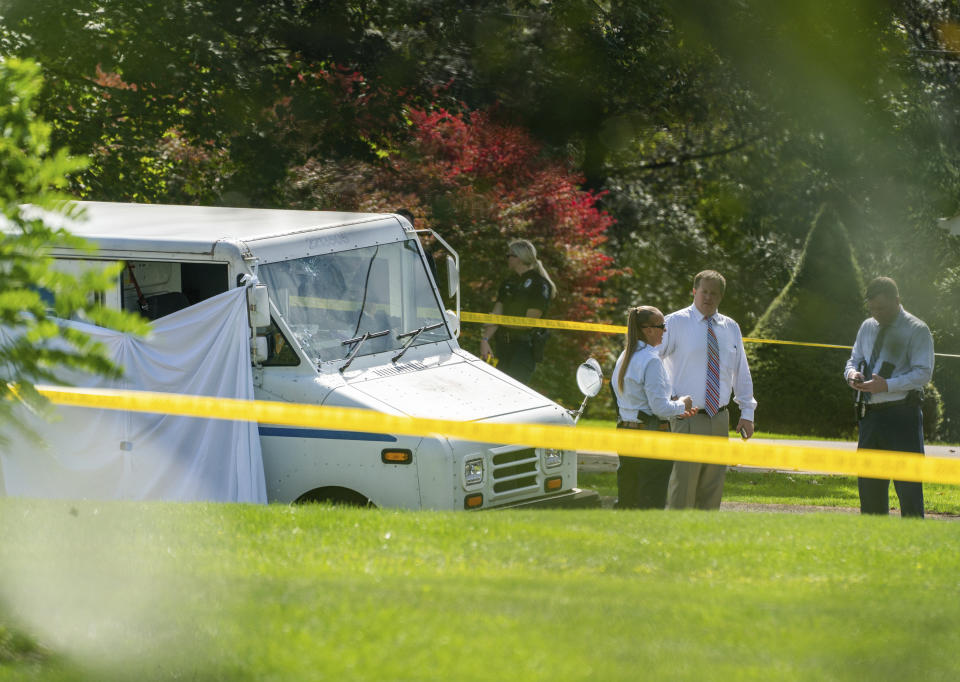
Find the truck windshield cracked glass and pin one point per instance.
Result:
(332, 300)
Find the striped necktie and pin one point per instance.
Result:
(874, 356)
(875, 351)
(712, 396)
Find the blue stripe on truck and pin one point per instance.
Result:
(284, 432)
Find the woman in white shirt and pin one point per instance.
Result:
(642, 390)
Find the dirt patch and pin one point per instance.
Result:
(608, 502)
(785, 508)
(811, 509)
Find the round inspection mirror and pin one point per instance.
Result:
(590, 377)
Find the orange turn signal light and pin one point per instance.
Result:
(396, 456)
(553, 483)
(473, 501)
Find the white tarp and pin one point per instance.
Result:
(109, 454)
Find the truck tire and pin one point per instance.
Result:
(334, 495)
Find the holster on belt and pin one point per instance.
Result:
(912, 398)
(514, 335)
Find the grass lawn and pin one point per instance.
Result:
(121, 591)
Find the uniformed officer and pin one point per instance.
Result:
(527, 292)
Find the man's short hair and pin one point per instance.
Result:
(710, 276)
(882, 286)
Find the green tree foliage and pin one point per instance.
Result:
(123, 75)
(947, 339)
(851, 104)
(798, 389)
(34, 296)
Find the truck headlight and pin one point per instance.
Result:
(473, 471)
(552, 458)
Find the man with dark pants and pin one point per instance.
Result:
(891, 362)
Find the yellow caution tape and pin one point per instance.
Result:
(352, 306)
(650, 444)
(747, 339)
(512, 321)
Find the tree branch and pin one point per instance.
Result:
(684, 158)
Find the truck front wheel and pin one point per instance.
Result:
(334, 495)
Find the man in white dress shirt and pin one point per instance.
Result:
(702, 351)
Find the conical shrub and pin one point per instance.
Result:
(800, 390)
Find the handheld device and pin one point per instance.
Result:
(860, 404)
(862, 369)
(743, 432)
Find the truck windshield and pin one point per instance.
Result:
(329, 299)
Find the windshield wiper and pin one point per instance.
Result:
(366, 285)
(413, 335)
(359, 341)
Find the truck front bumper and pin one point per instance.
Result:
(575, 498)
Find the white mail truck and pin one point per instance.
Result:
(347, 313)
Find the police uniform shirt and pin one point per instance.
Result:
(908, 345)
(519, 293)
(646, 387)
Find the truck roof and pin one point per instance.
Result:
(195, 229)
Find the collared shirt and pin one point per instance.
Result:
(908, 345)
(684, 353)
(646, 386)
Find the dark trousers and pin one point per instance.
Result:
(642, 483)
(899, 428)
(515, 356)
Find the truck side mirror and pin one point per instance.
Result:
(259, 306)
(590, 377)
(453, 276)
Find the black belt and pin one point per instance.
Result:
(913, 398)
(514, 335)
(719, 409)
(661, 426)
(647, 423)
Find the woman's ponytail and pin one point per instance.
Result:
(636, 317)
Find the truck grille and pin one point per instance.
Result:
(514, 471)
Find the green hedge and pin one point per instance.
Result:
(801, 389)
(932, 413)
